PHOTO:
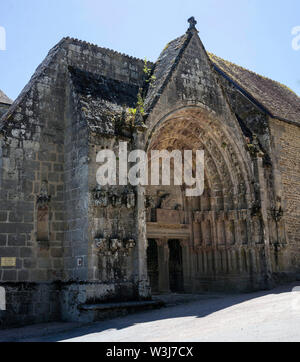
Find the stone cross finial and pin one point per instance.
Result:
(193, 23)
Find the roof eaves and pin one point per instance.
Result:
(252, 99)
(98, 48)
(243, 91)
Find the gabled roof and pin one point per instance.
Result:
(274, 98)
(277, 99)
(164, 68)
(4, 99)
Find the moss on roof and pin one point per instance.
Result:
(164, 68)
(280, 101)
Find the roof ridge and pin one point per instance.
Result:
(83, 42)
(212, 55)
(152, 99)
(27, 88)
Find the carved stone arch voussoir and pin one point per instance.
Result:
(184, 126)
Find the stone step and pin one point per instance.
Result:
(103, 311)
(122, 305)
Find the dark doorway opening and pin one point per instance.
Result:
(152, 264)
(175, 266)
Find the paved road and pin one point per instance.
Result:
(262, 316)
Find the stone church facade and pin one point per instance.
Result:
(66, 243)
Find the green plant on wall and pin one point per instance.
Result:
(150, 78)
(139, 110)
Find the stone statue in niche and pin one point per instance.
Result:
(130, 200)
(115, 245)
(149, 202)
(114, 198)
(100, 197)
(276, 213)
(42, 227)
(101, 244)
(43, 198)
(178, 207)
(162, 199)
(254, 148)
(256, 208)
(109, 247)
(130, 244)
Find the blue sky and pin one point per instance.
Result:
(253, 33)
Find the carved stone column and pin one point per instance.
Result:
(140, 254)
(187, 265)
(163, 266)
(197, 234)
(264, 206)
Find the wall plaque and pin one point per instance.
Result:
(6, 262)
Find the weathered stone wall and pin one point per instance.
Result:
(32, 173)
(116, 220)
(76, 193)
(44, 153)
(279, 142)
(94, 59)
(253, 120)
(29, 303)
(286, 157)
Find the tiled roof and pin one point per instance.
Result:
(164, 67)
(98, 91)
(276, 98)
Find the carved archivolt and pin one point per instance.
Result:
(228, 174)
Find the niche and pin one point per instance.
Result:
(43, 201)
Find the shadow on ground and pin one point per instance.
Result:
(200, 306)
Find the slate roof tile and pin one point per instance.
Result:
(279, 100)
(4, 99)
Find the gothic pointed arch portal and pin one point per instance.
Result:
(221, 239)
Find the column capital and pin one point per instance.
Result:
(162, 242)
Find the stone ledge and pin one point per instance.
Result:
(122, 305)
